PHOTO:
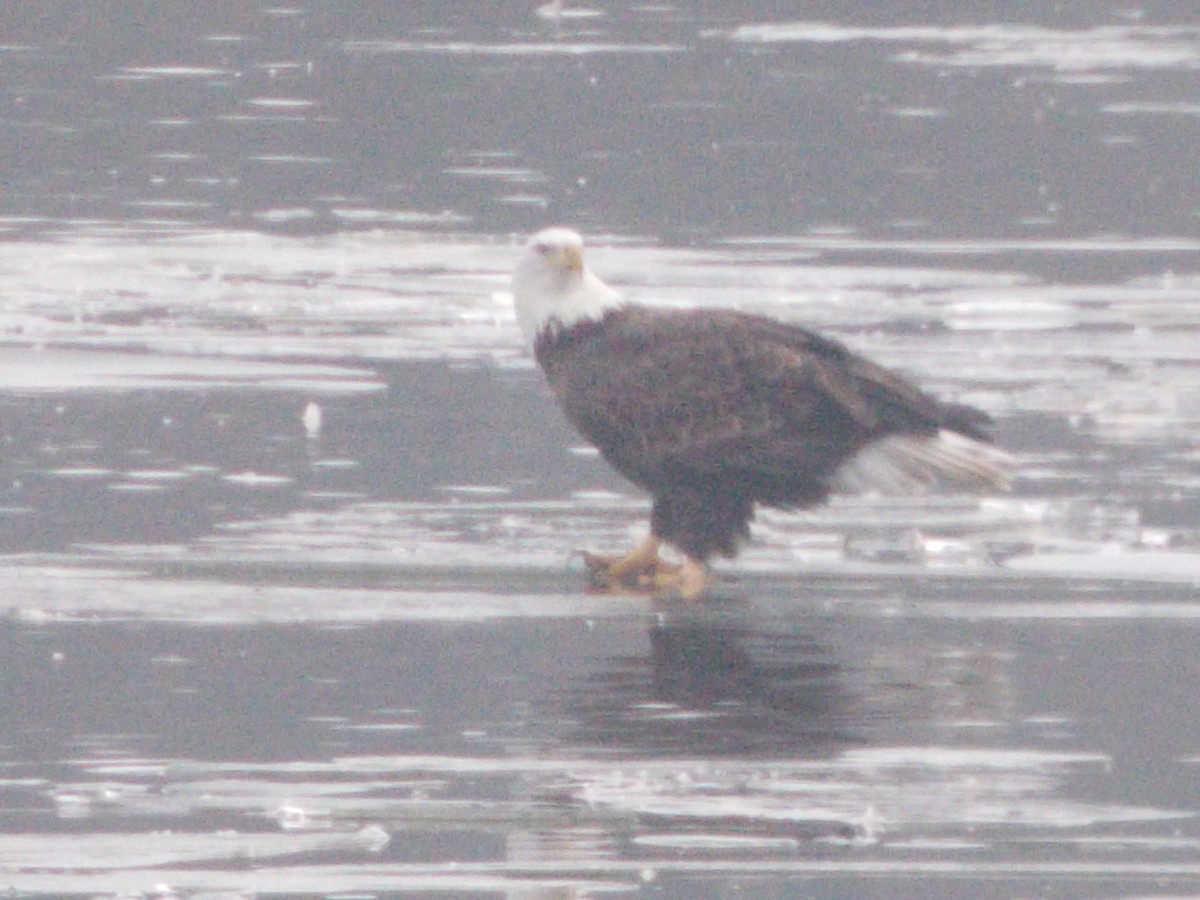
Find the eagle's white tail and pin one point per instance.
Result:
(907, 463)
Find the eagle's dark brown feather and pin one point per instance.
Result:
(714, 411)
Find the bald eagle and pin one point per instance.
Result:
(714, 411)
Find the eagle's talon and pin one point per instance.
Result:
(635, 572)
(643, 571)
(689, 581)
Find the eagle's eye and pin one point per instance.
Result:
(544, 249)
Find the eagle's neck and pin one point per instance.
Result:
(552, 303)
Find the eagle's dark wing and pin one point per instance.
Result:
(880, 399)
(668, 396)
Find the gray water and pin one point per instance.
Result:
(288, 516)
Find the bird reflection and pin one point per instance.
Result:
(716, 685)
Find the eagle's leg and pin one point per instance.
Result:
(638, 570)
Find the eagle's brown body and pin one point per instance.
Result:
(713, 411)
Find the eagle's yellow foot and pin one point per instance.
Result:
(636, 571)
(689, 581)
(643, 571)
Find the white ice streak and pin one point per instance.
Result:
(1112, 47)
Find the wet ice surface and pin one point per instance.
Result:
(291, 595)
(288, 516)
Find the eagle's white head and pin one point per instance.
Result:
(552, 287)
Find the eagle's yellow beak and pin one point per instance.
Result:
(572, 260)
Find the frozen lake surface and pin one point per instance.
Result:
(288, 516)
